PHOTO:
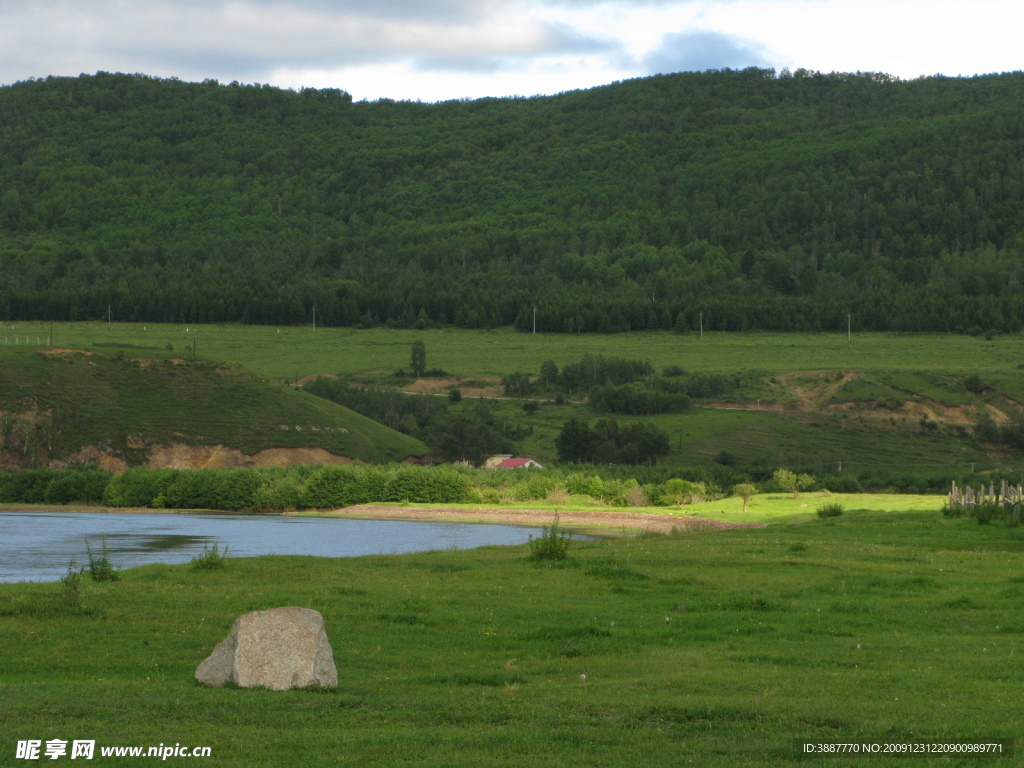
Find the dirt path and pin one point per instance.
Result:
(643, 521)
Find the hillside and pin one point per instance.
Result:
(728, 200)
(876, 402)
(61, 406)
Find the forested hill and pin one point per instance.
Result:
(759, 200)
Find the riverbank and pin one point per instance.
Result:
(589, 519)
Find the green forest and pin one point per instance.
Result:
(726, 200)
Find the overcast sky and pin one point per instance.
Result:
(432, 50)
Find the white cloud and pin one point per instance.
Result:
(437, 49)
(699, 50)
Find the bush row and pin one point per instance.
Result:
(51, 486)
(318, 487)
(305, 487)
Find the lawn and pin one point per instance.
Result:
(709, 649)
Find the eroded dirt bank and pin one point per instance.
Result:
(181, 456)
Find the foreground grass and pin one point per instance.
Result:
(704, 649)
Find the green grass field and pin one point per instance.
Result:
(289, 352)
(705, 649)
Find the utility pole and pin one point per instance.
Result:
(108, 314)
(314, 317)
(848, 337)
(702, 326)
(534, 320)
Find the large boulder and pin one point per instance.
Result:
(278, 649)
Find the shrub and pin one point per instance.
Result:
(236, 488)
(558, 496)
(211, 558)
(791, 481)
(832, 509)
(137, 487)
(334, 487)
(989, 512)
(954, 510)
(679, 491)
(579, 484)
(637, 496)
(28, 486)
(100, 566)
(70, 596)
(552, 544)
(72, 485)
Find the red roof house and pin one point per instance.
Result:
(519, 464)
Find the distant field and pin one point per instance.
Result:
(831, 445)
(890, 369)
(290, 352)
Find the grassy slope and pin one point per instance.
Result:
(101, 400)
(713, 649)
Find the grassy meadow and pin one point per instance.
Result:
(706, 649)
(289, 352)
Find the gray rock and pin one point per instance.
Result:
(278, 649)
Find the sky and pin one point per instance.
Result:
(434, 50)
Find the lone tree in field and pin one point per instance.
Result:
(791, 481)
(418, 364)
(745, 491)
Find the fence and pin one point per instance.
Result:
(1008, 495)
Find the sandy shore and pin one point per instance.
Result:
(594, 519)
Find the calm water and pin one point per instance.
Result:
(37, 546)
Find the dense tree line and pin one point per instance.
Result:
(725, 200)
(608, 443)
(619, 385)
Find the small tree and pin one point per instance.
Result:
(516, 384)
(791, 481)
(549, 373)
(745, 491)
(418, 362)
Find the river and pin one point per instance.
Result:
(40, 546)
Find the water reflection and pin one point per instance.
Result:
(38, 546)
